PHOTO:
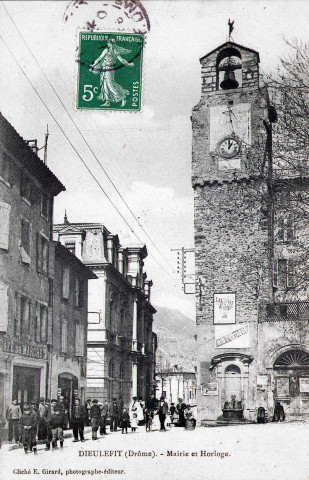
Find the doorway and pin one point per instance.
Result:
(26, 384)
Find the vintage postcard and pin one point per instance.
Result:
(154, 240)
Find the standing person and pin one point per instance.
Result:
(163, 409)
(103, 419)
(42, 422)
(88, 406)
(180, 408)
(114, 416)
(64, 410)
(79, 415)
(95, 415)
(47, 417)
(134, 414)
(172, 411)
(56, 424)
(28, 423)
(124, 420)
(13, 415)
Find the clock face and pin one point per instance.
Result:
(229, 147)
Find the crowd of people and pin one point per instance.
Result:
(44, 421)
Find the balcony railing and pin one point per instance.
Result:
(286, 311)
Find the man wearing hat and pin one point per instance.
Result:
(114, 416)
(180, 408)
(163, 409)
(95, 415)
(79, 415)
(28, 425)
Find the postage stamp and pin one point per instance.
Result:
(110, 71)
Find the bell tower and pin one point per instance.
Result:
(230, 172)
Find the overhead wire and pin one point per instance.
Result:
(86, 142)
(79, 156)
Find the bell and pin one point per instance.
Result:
(229, 81)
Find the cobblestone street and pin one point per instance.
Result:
(241, 452)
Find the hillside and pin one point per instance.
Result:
(176, 343)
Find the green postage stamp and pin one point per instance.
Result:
(110, 71)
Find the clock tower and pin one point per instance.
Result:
(230, 173)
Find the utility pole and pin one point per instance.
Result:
(182, 267)
(45, 145)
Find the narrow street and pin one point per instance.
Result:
(255, 452)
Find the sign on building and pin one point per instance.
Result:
(262, 382)
(224, 308)
(232, 336)
(304, 385)
(210, 388)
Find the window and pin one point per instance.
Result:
(5, 169)
(79, 294)
(42, 254)
(45, 205)
(79, 340)
(25, 315)
(43, 322)
(64, 336)
(5, 210)
(25, 241)
(3, 307)
(285, 228)
(71, 246)
(25, 188)
(65, 282)
(283, 273)
(111, 368)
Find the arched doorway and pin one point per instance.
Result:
(291, 376)
(68, 387)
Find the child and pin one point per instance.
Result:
(56, 425)
(125, 420)
(28, 430)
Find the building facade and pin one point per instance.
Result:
(252, 314)
(121, 345)
(68, 351)
(177, 383)
(27, 191)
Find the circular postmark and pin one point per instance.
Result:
(120, 15)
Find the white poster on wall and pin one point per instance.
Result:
(224, 308)
(232, 336)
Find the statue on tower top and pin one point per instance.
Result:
(231, 28)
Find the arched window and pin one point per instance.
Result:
(292, 359)
(232, 370)
(229, 69)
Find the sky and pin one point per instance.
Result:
(146, 154)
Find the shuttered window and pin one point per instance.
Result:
(64, 336)
(3, 307)
(65, 282)
(79, 340)
(25, 241)
(42, 254)
(5, 210)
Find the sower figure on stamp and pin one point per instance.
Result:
(105, 66)
(95, 415)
